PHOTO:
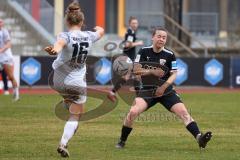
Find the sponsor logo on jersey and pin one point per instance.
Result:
(162, 61)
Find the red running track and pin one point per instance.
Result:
(217, 90)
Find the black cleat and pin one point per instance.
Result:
(203, 139)
(62, 150)
(120, 144)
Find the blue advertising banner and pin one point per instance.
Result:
(197, 74)
(182, 73)
(103, 71)
(213, 71)
(236, 72)
(42, 74)
(191, 71)
(30, 71)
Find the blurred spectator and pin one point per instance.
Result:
(6, 58)
(130, 42)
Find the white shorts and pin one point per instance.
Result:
(8, 61)
(70, 84)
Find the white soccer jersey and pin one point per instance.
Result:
(78, 45)
(69, 67)
(7, 54)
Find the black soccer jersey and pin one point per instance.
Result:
(165, 59)
(130, 36)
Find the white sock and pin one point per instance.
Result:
(16, 93)
(69, 130)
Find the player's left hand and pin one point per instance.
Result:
(161, 89)
(50, 50)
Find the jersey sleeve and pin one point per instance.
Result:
(63, 36)
(173, 63)
(94, 36)
(6, 36)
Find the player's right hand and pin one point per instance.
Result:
(50, 50)
(112, 96)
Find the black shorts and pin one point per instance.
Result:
(167, 100)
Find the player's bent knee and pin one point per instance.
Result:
(186, 117)
(75, 110)
(131, 116)
(179, 109)
(183, 114)
(133, 112)
(140, 101)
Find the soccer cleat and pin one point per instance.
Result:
(62, 150)
(203, 139)
(120, 144)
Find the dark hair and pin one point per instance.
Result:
(74, 16)
(74, 6)
(131, 18)
(158, 28)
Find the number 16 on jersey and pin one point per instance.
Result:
(80, 52)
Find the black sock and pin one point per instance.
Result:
(125, 132)
(193, 128)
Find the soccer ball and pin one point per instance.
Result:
(122, 65)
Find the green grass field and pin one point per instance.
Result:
(29, 129)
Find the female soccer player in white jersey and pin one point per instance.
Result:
(72, 48)
(6, 58)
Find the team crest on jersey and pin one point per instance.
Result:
(162, 61)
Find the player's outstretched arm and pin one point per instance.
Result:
(129, 44)
(173, 77)
(99, 30)
(137, 43)
(58, 46)
(138, 70)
